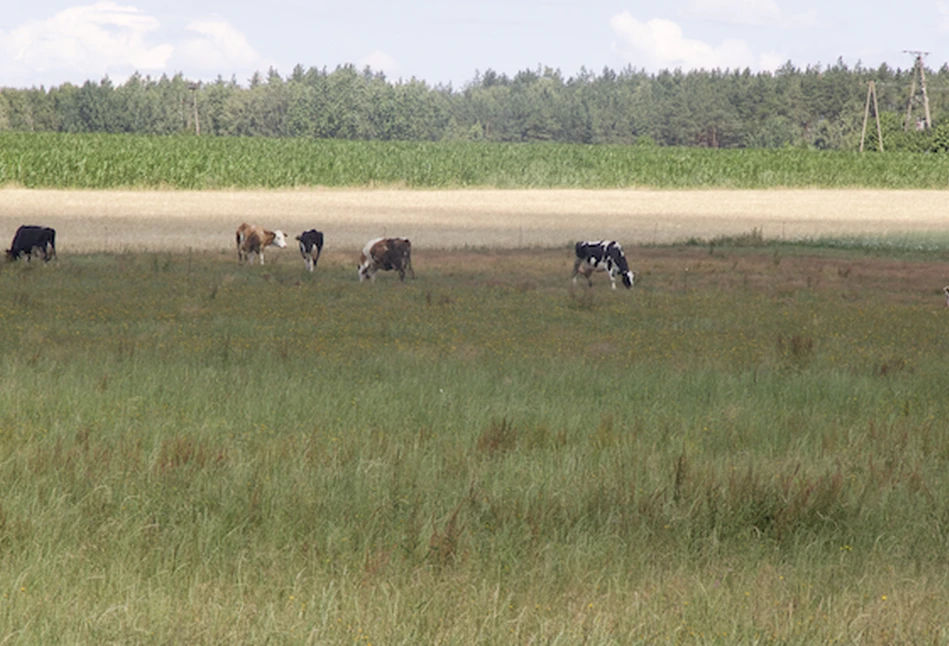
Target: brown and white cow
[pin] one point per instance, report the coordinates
(385, 254)
(253, 239)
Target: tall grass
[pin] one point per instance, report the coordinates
(193, 451)
(51, 160)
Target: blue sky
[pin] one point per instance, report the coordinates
(49, 42)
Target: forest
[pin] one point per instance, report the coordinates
(817, 107)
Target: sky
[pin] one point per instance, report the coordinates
(51, 42)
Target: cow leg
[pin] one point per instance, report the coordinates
(588, 273)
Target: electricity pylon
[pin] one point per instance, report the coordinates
(913, 97)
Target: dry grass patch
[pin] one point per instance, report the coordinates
(205, 220)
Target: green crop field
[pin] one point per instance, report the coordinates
(747, 447)
(47, 160)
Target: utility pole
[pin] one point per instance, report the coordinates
(872, 93)
(194, 102)
(917, 71)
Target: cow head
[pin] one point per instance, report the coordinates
(280, 239)
(619, 261)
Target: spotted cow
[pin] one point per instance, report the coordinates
(311, 246)
(253, 239)
(602, 255)
(386, 254)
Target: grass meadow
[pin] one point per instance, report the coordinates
(747, 447)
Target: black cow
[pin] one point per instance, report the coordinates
(311, 246)
(29, 238)
(602, 255)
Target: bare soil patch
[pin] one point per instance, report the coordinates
(88, 221)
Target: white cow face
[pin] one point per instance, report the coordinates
(280, 239)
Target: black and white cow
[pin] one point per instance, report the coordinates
(29, 238)
(602, 255)
(311, 246)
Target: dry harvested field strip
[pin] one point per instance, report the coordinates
(90, 221)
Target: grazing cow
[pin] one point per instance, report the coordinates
(311, 246)
(386, 254)
(29, 238)
(945, 290)
(602, 255)
(253, 239)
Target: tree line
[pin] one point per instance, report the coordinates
(819, 107)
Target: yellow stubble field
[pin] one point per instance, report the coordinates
(92, 221)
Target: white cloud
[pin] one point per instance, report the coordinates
(92, 40)
(663, 45)
(741, 12)
(219, 47)
(771, 62)
(380, 62)
(106, 38)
